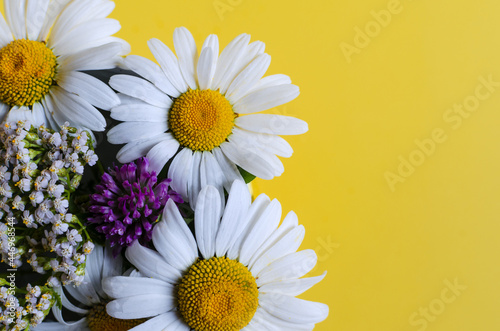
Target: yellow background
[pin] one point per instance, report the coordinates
(392, 251)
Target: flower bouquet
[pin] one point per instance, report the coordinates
(164, 234)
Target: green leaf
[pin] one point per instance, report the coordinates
(248, 177)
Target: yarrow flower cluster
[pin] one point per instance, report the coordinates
(39, 172)
(128, 201)
(20, 309)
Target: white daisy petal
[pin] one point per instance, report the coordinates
(292, 287)
(137, 148)
(152, 72)
(84, 36)
(140, 306)
(48, 108)
(272, 80)
(180, 172)
(229, 61)
(261, 230)
(211, 174)
(112, 266)
(159, 323)
(5, 33)
(20, 114)
(67, 304)
(249, 160)
(131, 131)
(151, 264)
(35, 16)
(140, 112)
(173, 239)
(4, 110)
(272, 124)
(187, 53)
(90, 89)
(53, 12)
(15, 12)
(77, 110)
(206, 68)
(263, 320)
(252, 52)
(93, 269)
(207, 217)
(123, 287)
(194, 182)
(266, 98)
(292, 309)
(263, 142)
(38, 115)
(159, 155)
(97, 58)
(168, 62)
(234, 220)
(228, 168)
(256, 209)
(248, 78)
(291, 266)
(141, 89)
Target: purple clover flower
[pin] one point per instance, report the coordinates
(128, 202)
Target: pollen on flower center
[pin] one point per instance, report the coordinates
(217, 294)
(99, 320)
(201, 119)
(27, 71)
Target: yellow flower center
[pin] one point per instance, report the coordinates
(217, 294)
(201, 120)
(99, 320)
(27, 71)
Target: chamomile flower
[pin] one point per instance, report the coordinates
(246, 278)
(90, 296)
(45, 45)
(204, 104)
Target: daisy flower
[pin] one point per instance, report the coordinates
(246, 278)
(197, 103)
(90, 295)
(44, 47)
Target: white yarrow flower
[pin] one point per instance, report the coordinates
(211, 116)
(246, 278)
(45, 45)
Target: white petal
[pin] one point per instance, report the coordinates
(4, 110)
(272, 124)
(291, 266)
(180, 172)
(135, 149)
(187, 53)
(159, 155)
(15, 12)
(84, 36)
(53, 12)
(253, 215)
(5, 33)
(248, 78)
(261, 230)
(152, 72)
(124, 287)
(76, 110)
(207, 218)
(93, 269)
(173, 239)
(266, 98)
(140, 306)
(234, 219)
(112, 266)
(228, 62)
(250, 161)
(263, 142)
(252, 52)
(206, 68)
(292, 287)
(140, 112)
(288, 244)
(130, 131)
(67, 304)
(228, 168)
(168, 62)
(262, 320)
(38, 115)
(35, 16)
(97, 58)
(194, 182)
(141, 89)
(211, 174)
(292, 309)
(151, 264)
(20, 114)
(158, 323)
(89, 88)
(272, 80)
(49, 110)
